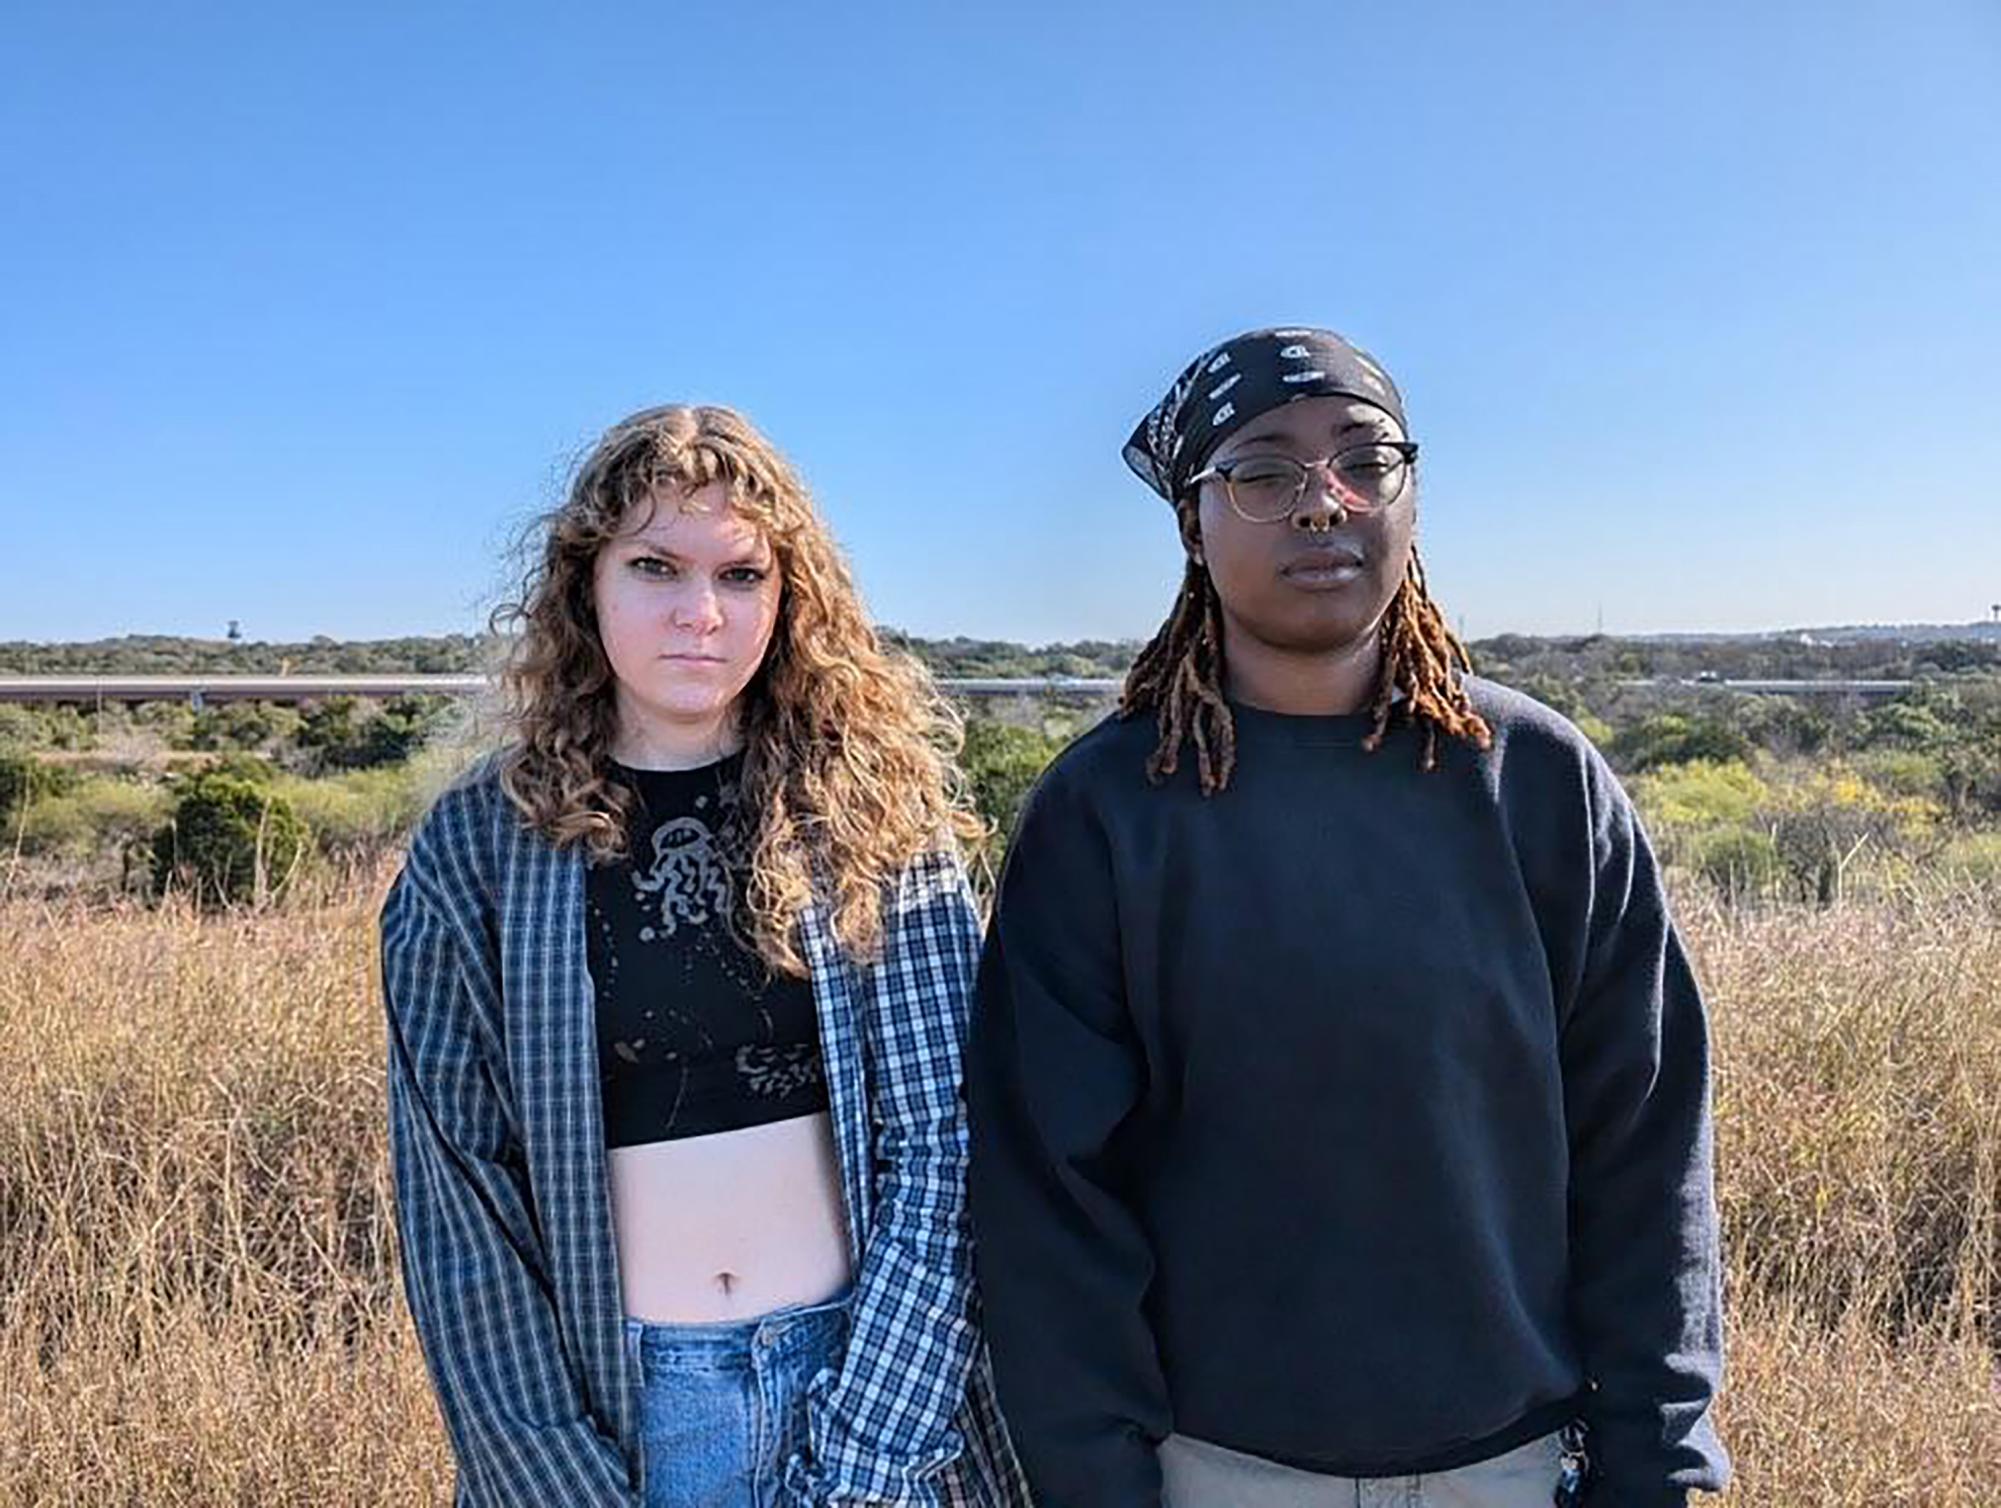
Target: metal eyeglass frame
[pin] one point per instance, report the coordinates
(1342, 495)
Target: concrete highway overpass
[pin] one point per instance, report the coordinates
(201, 690)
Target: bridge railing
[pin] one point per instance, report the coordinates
(202, 689)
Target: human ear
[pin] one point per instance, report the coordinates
(1190, 520)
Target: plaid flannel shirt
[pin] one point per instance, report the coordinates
(503, 1215)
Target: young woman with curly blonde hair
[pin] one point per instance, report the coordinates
(676, 987)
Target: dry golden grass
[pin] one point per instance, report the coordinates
(1858, 1097)
(198, 1295)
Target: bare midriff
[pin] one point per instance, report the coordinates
(732, 1225)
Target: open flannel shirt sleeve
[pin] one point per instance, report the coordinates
(475, 1269)
(881, 1428)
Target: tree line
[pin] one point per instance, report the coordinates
(1508, 657)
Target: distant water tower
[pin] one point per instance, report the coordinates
(235, 635)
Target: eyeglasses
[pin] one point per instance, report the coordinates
(1266, 489)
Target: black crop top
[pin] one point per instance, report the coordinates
(695, 1035)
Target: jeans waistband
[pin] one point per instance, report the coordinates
(723, 1342)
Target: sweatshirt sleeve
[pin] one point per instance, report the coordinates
(473, 1266)
(1055, 1072)
(1645, 1263)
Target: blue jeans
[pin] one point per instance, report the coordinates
(722, 1407)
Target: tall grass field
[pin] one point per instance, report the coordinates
(199, 1301)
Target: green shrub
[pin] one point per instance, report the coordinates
(1901, 771)
(402, 728)
(173, 723)
(359, 812)
(25, 780)
(1784, 725)
(1595, 728)
(328, 731)
(339, 736)
(1002, 762)
(238, 725)
(68, 728)
(1704, 794)
(229, 840)
(1676, 738)
(1907, 723)
(1710, 818)
(1828, 818)
(96, 816)
(1739, 861)
(254, 768)
(1975, 857)
(19, 727)
(1970, 775)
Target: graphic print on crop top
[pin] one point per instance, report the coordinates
(695, 1035)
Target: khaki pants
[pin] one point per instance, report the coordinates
(1196, 1474)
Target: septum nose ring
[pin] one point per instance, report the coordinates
(1337, 505)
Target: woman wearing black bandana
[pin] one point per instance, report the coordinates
(1339, 1088)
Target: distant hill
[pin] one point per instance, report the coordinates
(1853, 633)
(155, 654)
(161, 654)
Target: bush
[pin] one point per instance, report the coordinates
(68, 728)
(1561, 694)
(339, 737)
(1826, 820)
(1675, 738)
(25, 780)
(1595, 728)
(20, 728)
(1710, 818)
(1901, 771)
(1970, 774)
(361, 812)
(229, 840)
(1704, 794)
(251, 767)
(1784, 725)
(328, 731)
(1974, 859)
(1906, 724)
(240, 725)
(173, 723)
(1002, 762)
(95, 816)
(1740, 862)
(401, 729)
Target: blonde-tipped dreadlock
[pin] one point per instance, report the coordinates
(1179, 676)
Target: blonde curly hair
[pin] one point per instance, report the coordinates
(849, 772)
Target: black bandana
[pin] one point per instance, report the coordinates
(1229, 385)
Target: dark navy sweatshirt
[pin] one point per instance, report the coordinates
(1356, 1117)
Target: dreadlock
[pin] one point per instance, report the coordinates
(1179, 676)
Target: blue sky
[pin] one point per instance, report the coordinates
(1697, 305)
